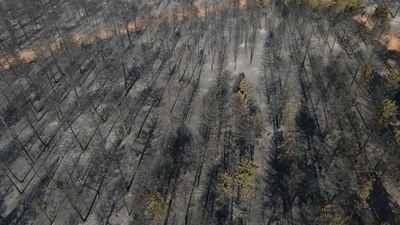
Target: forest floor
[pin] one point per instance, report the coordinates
(151, 122)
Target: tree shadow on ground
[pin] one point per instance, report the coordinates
(381, 205)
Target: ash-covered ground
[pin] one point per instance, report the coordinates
(199, 112)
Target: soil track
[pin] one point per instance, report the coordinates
(30, 54)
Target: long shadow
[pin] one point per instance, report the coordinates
(174, 157)
(176, 161)
(213, 209)
(292, 185)
(380, 204)
(277, 192)
(305, 123)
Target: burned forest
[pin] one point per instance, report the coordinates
(190, 112)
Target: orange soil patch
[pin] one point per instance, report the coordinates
(391, 41)
(104, 34)
(364, 20)
(80, 39)
(201, 11)
(243, 3)
(55, 45)
(4, 64)
(27, 55)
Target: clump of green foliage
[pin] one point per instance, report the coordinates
(245, 97)
(245, 176)
(248, 118)
(367, 76)
(365, 190)
(389, 111)
(225, 184)
(393, 77)
(243, 179)
(156, 207)
(381, 17)
(396, 136)
(327, 208)
(332, 217)
(339, 220)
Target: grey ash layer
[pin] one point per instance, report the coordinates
(140, 125)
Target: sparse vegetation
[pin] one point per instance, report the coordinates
(381, 12)
(248, 117)
(381, 17)
(156, 207)
(244, 97)
(225, 184)
(367, 76)
(245, 175)
(365, 190)
(327, 208)
(389, 111)
(397, 136)
(328, 212)
(394, 78)
(339, 220)
(243, 180)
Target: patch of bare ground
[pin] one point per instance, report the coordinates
(390, 40)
